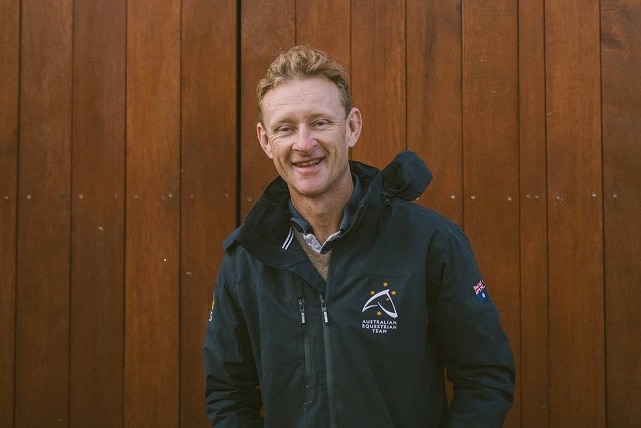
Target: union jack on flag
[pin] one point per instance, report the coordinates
(480, 291)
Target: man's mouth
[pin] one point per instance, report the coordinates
(307, 164)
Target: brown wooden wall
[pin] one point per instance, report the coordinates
(128, 152)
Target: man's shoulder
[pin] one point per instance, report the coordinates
(419, 213)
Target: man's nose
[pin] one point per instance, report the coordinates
(304, 139)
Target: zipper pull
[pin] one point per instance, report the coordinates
(301, 309)
(324, 309)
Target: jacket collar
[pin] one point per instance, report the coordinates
(268, 224)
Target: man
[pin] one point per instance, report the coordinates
(339, 302)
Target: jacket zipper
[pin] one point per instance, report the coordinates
(303, 321)
(329, 367)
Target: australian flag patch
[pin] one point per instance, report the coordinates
(480, 291)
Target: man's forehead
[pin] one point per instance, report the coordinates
(303, 87)
(312, 96)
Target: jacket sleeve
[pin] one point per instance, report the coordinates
(231, 381)
(472, 343)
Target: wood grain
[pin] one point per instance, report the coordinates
(98, 220)
(44, 177)
(575, 214)
(621, 65)
(434, 100)
(9, 106)
(534, 375)
(491, 157)
(378, 78)
(209, 165)
(152, 248)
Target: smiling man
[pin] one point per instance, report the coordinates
(339, 302)
(306, 130)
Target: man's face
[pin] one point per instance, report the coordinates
(305, 132)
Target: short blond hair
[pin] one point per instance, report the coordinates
(300, 63)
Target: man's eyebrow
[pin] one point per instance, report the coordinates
(286, 119)
(275, 124)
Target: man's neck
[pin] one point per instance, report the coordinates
(324, 214)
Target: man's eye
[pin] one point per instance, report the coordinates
(321, 123)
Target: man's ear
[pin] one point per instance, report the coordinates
(354, 125)
(263, 140)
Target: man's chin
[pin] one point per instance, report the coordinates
(307, 191)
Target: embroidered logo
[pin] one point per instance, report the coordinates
(380, 304)
(480, 291)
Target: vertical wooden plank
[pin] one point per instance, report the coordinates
(621, 67)
(209, 171)
(98, 176)
(533, 164)
(491, 156)
(325, 25)
(266, 29)
(378, 78)
(42, 291)
(152, 346)
(575, 250)
(9, 105)
(434, 94)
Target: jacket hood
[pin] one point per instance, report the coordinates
(406, 177)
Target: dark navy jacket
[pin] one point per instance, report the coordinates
(404, 298)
